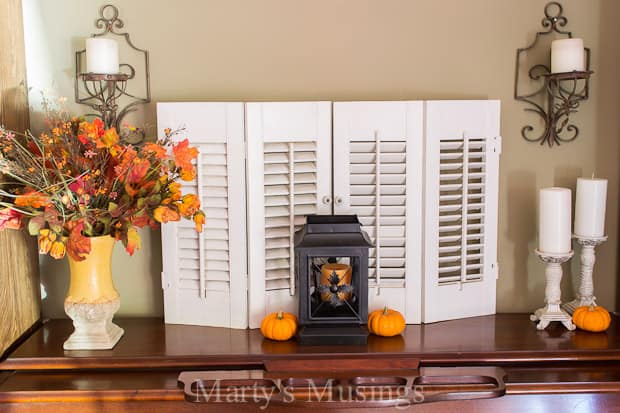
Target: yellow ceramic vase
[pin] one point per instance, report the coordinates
(92, 299)
(91, 279)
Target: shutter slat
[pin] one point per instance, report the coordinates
(308, 188)
(272, 284)
(276, 253)
(274, 222)
(216, 213)
(370, 189)
(281, 232)
(274, 264)
(388, 276)
(217, 255)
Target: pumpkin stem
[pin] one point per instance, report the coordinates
(280, 315)
(592, 307)
(385, 310)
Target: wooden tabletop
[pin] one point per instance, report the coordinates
(148, 342)
(550, 370)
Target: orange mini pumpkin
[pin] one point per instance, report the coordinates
(386, 322)
(592, 318)
(279, 326)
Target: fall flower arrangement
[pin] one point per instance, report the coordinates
(79, 180)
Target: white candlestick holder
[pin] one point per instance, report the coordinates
(553, 293)
(585, 294)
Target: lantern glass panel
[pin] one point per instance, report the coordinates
(334, 288)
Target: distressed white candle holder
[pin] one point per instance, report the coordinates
(553, 294)
(585, 294)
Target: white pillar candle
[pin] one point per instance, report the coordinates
(590, 204)
(554, 221)
(101, 55)
(567, 55)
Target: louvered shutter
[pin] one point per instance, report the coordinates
(378, 157)
(204, 275)
(462, 153)
(289, 176)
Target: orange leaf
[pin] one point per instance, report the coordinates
(188, 174)
(133, 241)
(78, 245)
(184, 154)
(31, 199)
(157, 150)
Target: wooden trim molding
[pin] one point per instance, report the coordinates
(19, 272)
(14, 113)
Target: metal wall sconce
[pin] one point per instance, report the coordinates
(103, 91)
(559, 94)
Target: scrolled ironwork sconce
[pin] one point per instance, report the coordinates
(559, 94)
(103, 91)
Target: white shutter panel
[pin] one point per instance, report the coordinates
(462, 154)
(289, 176)
(204, 275)
(378, 176)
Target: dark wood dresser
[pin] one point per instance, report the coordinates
(553, 370)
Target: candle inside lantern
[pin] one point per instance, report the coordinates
(590, 207)
(567, 55)
(101, 55)
(554, 221)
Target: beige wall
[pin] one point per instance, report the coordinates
(360, 50)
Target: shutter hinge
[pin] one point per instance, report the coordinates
(498, 145)
(495, 267)
(165, 284)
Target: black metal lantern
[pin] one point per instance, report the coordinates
(331, 260)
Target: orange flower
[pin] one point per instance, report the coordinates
(46, 238)
(164, 214)
(58, 250)
(189, 205)
(31, 199)
(108, 139)
(199, 220)
(175, 191)
(92, 131)
(184, 154)
(115, 150)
